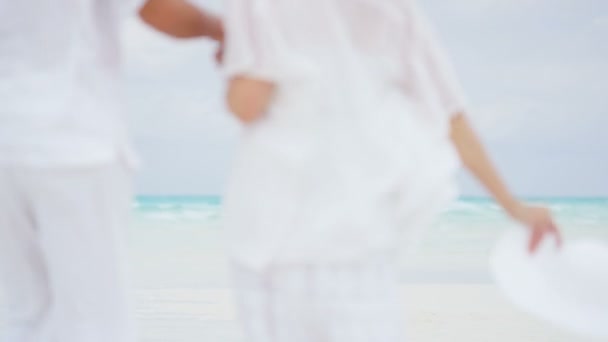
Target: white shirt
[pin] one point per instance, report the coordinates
(60, 89)
(354, 150)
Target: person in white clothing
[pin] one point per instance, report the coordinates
(354, 124)
(66, 162)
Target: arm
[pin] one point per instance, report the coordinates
(180, 19)
(476, 160)
(436, 72)
(248, 98)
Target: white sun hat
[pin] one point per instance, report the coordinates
(565, 286)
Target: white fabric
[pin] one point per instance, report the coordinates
(62, 267)
(567, 287)
(355, 142)
(60, 82)
(355, 302)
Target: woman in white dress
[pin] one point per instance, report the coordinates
(354, 122)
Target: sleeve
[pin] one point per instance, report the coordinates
(434, 68)
(253, 42)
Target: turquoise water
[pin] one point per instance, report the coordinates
(207, 209)
(174, 209)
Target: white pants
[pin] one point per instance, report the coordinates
(356, 302)
(61, 254)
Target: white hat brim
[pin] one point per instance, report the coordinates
(565, 286)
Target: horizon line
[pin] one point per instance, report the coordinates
(466, 197)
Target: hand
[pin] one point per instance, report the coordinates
(219, 53)
(539, 221)
(216, 29)
(219, 37)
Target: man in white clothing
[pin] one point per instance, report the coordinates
(65, 164)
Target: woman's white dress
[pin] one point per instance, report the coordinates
(354, 152)
(353, 155)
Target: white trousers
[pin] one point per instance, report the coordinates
(356, 302)
(61, 254)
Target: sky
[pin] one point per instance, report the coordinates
(535, 73)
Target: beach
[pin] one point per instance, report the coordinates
(432, 313)
(472, 313)
(182, 280)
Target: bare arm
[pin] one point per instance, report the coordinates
(180, 19)
(248, 98)
(476, 160)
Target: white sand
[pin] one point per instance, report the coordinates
(474, 313)
(437, 313)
